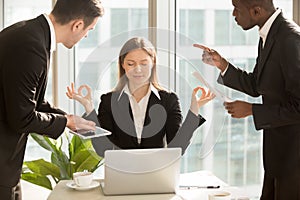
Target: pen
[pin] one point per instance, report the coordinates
(188, 187)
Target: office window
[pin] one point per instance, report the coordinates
(223, 29)
(124, 19)
(17, 10)
(238, 36)
(119, 20)
(228, 33)
(189, 19)
(92, 38)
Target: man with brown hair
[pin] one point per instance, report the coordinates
(25, 50)
(275, 78)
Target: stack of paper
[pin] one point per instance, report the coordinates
(198, 185)
(201, 179)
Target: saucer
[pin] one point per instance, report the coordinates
(72, 185)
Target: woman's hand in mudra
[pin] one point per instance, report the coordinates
(197, 103)
(86, 100)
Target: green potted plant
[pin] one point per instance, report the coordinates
(81, 156)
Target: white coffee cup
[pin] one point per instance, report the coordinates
(83, 179)
(219, 195)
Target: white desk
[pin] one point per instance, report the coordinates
(62, 192)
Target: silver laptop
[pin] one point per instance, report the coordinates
(141, 171)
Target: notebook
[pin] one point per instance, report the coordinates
(141, 171)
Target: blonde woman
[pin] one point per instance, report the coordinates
(139, 112)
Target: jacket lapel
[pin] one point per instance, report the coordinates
(125, 103)
(271, 38)
(150, 103)
(264, 54)
(149, 130)
(122, 114)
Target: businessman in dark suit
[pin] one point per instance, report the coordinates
(25, 51)
(276, 78)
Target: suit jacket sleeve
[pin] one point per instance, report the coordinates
(240, 80)
(48, 108)
(179, 135)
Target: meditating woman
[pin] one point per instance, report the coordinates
(139, 112)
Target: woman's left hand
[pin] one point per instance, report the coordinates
(197, 103)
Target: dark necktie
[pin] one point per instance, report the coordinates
(260, 46)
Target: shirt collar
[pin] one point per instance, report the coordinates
(127, 91)
(52, 34)
(263, 32)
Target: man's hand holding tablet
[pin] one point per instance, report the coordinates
(87, 134)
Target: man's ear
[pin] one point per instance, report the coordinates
(77, 25)
(256, 11)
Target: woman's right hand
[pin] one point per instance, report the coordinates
(86, 100)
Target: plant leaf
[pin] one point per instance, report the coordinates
(43, 167)
(37, 179)
(62, 161)
(44, 142)
(75, 145)
(86, 160)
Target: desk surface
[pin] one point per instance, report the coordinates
(62, 192)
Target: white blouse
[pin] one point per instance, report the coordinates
(139, 108)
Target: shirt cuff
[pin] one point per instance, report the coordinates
(224, 72)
